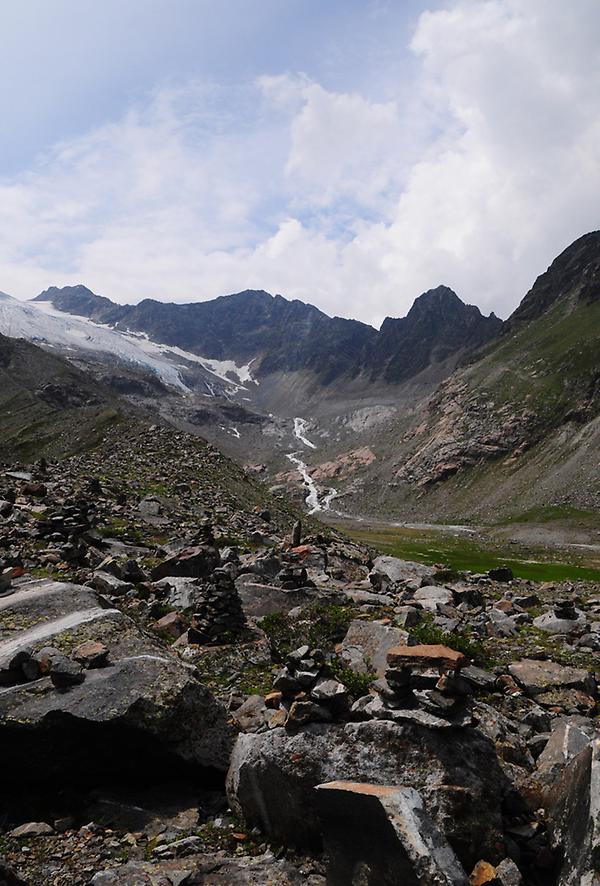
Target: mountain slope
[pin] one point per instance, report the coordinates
(48, 407)
(520, 425)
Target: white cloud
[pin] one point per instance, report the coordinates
(478, 179)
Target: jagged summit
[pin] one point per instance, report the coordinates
(438, 324)
(281, 335)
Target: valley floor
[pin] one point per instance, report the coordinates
(565, 547)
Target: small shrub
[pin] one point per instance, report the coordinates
(427, 633)
(357, 684)
(319, 626)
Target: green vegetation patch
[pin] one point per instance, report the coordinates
(319, 627)
(462, 553)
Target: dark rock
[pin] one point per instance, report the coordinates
(381, 836)
(8, 877)
(501, 573)
(64, 672)
(196, 562)
(272, 777)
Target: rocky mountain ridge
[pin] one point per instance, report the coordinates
(287, 336)
(426, 417)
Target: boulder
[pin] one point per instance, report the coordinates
(259, 599)
(390, 570)
(537, 677)
(180, 593)
(272, 777)
(501, 573)
(431, 597)
(33, 829)
(555, 624)
(378, 835)
(194, 562)
(367, 643)
(146, 703)
(573, 808)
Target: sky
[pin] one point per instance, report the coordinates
(349, 153)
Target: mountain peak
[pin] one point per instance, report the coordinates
(576, 271)
(81, 301)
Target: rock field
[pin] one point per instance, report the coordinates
(196, 688)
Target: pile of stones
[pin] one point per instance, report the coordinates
(423, 677)
(307, 691)
(218, 615)
(26, 666)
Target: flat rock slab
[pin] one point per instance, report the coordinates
(537, 677)
(429, 656)
(272, 777)
(378, 835)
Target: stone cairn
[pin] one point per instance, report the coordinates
(219, 615)
(306, 690)
(420, 681)
(426, 677)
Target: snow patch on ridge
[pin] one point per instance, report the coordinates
(41, 324)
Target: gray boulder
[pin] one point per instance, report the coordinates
(145, 708)
(573, 808)
(272, 776)
(539, 677)
(389, 570)
(366, 645)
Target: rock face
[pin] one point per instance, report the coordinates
(574, 807)
(381, 836)
(439, 324)
(144, 702)
(272, 777)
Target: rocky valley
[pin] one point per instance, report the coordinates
(216, 664)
